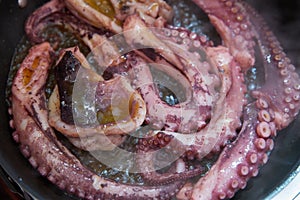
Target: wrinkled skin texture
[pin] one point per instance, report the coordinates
(223, 121)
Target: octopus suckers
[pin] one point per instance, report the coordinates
(278, 57)
(11, 124)
(228, 3)
(71, 188)
(43, 170)
(237, 31)
(243, 184)
(167, 32)
(288, 90)
(262, 104)
(288, 99)
(33, 162)
(263, 130)
(264, 115)
(234, 10)
(297, 87)
(25, 150)
(260, 143)
(183, 34)
(222, 195)
(16, 136)
(270, 143)
(239, 17)
(296, 97)
(62, 184)
(281, 65)
(287, 82)
(174, 33)
(186, 41)
(197, 44)
(255, 172)
(193, 36)
(292, 106)
(286, 110)
(284, 72)
(230, 194)
(52, 178)
(265, 158)
(244, 170)
(244, 27)
(253, 158)
(234, 183)
(276, 51)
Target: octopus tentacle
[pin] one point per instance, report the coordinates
(40, 145)
(53, 13)
(38, 16)
(105, 53)
(148, 150)
(160, 114)
(285, 97)
(224, 122)
(232, 22)
(137, 32)
(180, 173)
(181, 116)
(217, 133)
(241, 161)
(271, 112)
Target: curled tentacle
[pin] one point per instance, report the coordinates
(36, 18)
(224, 122)
(53, 13)
(232, 22)
(179, 117)
(39, 143)
(160, 114)
(240, 161)
(279, 72)
(147, 158)
(155, 178)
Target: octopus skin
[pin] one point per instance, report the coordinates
(273, 110)
(240, 160)
(40, 145)
(233, 24)
(240, 130)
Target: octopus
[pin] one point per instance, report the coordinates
(97, 105)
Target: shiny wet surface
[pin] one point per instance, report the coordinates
(284, 159)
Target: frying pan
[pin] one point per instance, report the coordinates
(283, 162)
